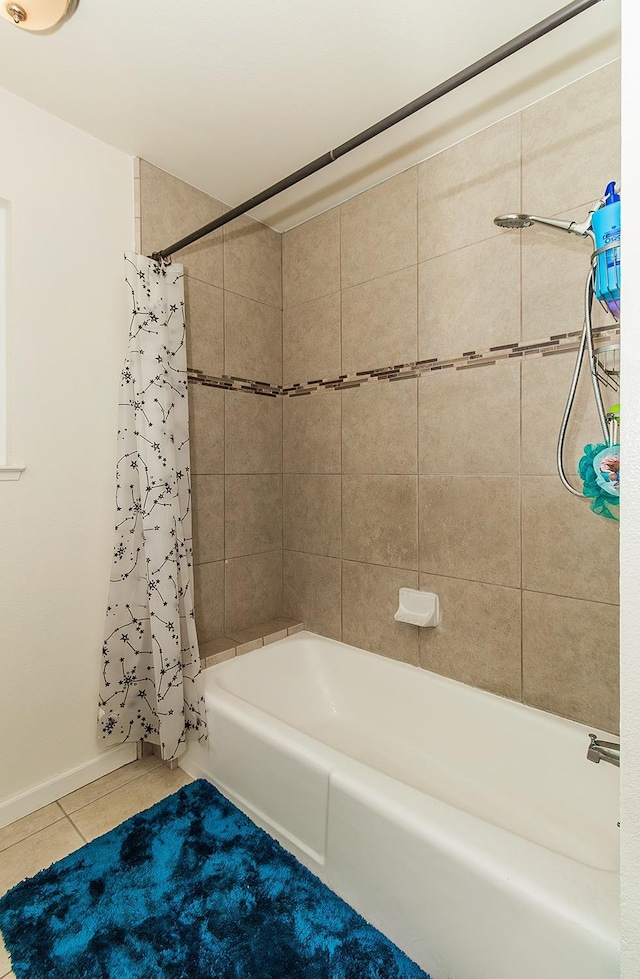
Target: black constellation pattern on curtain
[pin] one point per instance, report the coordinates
(150, 684)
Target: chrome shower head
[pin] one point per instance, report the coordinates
(512, 221)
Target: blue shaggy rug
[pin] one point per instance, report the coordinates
(189, 889)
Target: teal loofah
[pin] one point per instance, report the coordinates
(599, 471)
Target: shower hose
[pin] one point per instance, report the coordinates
(586, 344)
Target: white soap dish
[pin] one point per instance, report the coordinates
(418, 607)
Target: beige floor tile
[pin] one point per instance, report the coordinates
(22, 828)
(142, 793)
(5, 961)
(32, 855)
(108, 783)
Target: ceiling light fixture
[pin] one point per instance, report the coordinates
(37, 15)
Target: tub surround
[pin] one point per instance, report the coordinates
(234, 329)
(446, 348)
(246, 640)
(323, 485)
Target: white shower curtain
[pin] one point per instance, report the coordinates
(150, 686)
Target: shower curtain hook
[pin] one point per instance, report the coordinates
(160, 259)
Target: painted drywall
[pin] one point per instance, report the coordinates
(71, 218)
(630, 538)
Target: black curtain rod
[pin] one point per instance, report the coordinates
(504, 51)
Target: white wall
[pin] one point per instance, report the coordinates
(71, 220)
(630, 501)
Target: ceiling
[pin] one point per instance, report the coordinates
(232, 95)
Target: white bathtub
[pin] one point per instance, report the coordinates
(469, 829)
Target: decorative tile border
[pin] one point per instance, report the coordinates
(485, 357)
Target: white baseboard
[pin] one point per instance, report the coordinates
(60, 785)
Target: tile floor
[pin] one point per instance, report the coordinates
(33, 843)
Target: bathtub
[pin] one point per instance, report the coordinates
(469, 829)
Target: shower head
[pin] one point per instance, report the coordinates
(512, 221)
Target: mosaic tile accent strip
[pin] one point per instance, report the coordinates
(486, 357)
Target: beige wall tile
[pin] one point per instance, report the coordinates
(545, 388)
(170, 210)
(470, 528)
(253, 339)
(216, 651)
(29, 825)
(555, 266)
(470, 298)
(379, 427)
(32, 855)
(262, 630)
(570, 659)
(253, 590)
(87, 794)
(461, 190)
(253, 261)
(571, 144)
(311, 259)
(478, 639)
(312, 588)
(209, 600)
(218, 658)
(206, 429)
(311, 340)
(113, 809)
(470, 420)
(311, 432)
(380, 322)
(380, 520)
(312, 513)
(248, 647)
(253, 433)
(207, 498)
(379, 229)
(566, 549)
(369, 601)
(205, 326)
(253, 514)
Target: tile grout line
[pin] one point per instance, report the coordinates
(30, 836)
(77, 828)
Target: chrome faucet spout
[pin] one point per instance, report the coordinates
(603, 751)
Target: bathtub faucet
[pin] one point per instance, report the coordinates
(603, 751)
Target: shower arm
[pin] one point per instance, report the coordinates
(538, 30)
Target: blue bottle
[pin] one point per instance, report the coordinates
(605, 223)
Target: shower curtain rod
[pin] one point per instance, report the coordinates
(545, 26)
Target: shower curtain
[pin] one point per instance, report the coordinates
(150, 685)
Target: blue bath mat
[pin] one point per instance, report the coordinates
(189, 889)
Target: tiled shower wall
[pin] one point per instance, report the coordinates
(447, 481)
(233, 291)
